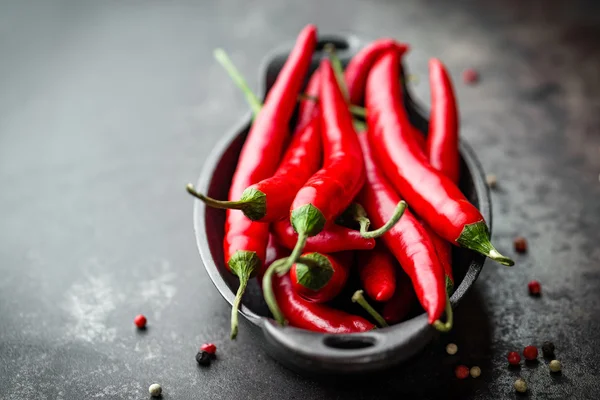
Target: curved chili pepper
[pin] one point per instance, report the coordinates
(431, 194)
(398, 307)
(442, 140)
(442, 145)
(269, 198)
(331, 239)
(327, 283)
(377, 271)
(407, 240)
(245, 241)
(358, 68)
(443, 249)
(314, 316)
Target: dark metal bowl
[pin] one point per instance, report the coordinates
(299, 349)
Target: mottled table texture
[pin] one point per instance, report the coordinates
(107, 109)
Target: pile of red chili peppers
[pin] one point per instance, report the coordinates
(298, 214)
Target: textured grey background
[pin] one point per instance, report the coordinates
(107, 108)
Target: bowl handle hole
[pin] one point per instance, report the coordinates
(348, 342)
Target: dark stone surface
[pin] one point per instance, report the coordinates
(108, 108)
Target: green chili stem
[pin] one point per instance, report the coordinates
(268, 293)
(365, 222)
(226, 205)
(302, 238)
(223, 59)
(359, 298)
(236, 305)
(445, 326)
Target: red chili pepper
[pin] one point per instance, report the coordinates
(398, 307)
(275, 251)
(442, 140)
(443, 249)
(377, 271)
(331, 239)
(308, 109)
(358, 68)
(314, 316)
(270, 196)
(431, 194)
(246, 241)
(324, 283)
(407, 240)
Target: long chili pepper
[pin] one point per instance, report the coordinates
(340, 178)
(322, 284)
(432, 195)
(443, 249)
(245, 241)
(377, 271)
(398, 307)
(269, 199)
(358, 68)
(442, 145)
(313, 316)
(407, 240)
(275, 251)
(331, 239)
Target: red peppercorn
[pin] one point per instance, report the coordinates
(530, 353)
(520, 244)
(514, 358)
(535, 289)
(470, 76)
(210, 348)
(461, 371)
(140, 321)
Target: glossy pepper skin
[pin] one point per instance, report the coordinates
(442, 144)
(339, 263)
(432, 195)
(245, 241)
(358, 68)
(331, 239)
(331, 189)
(407, 240)
(377, 271)
(314, 317)
(397, 308)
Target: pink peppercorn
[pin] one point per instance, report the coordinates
(530, 353)
(514, 358)
(140, 321)
(210, 348)
(470, 76)
(461, 371)
(535, 289)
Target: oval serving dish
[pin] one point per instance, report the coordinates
(298, 349)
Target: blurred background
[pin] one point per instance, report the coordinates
(108, 108)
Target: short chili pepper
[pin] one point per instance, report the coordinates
(245, 240)
(358, 68)
(269, 198)
(407, 240)
(398, 307)
(322, 284)
(431, 194)
(331, 239)
(314, 316)
(377, 271)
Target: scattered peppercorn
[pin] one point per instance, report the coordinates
(461, 371)
(548, 349)
(514, 358)
(155, 390)
(451, 348)
(140, 321)
(530, 353)
(475, 371)
(555, 366)
(203, 358)
(470, 76)
(491, 181)
(520, 244)
(210, 348)
(535, 289)
(520, 385)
